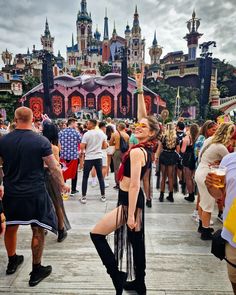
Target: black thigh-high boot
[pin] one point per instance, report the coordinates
(108, 259)
(139, 258)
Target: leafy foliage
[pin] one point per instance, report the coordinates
(29, 83)
(104, 69)
(9, 102)
(189, 96)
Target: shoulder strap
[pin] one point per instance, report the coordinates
(203, 151)
(232, 264)
(144, 155)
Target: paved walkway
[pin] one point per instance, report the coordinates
(178, 262)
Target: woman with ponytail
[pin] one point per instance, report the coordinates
(127, 220)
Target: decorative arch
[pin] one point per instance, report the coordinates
(75, 102)
(36, 105)
(91, 101)
(58, 104)
(124, 111)
(106, 103)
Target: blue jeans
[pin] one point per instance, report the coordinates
(88, 165)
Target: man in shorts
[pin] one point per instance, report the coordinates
(26, 201)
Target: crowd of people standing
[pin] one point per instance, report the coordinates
(38, 158)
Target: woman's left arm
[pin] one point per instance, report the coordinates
(136, 158)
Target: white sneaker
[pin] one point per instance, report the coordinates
(107, 177)
(195, 214)
(106, 184)
(94, 183)
(83, 200)
(103, 198)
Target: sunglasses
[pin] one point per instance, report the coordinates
(141, 125)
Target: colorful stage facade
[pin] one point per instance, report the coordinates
(71, 95)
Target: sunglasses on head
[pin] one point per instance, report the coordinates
(141, 125)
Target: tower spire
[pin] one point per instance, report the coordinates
(154, 43)
(73, 41)
(47, 40)
(84, 7)
(114, 29)
(193, 36)
(136, 28)
(106, 33)
(46, 31)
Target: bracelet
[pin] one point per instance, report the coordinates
(138, 91)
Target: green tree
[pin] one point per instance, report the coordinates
(29, 83)
(104, 68)
(9, 102)
(76, 72)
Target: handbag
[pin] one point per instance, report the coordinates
(124, 146)
(218, 247)
(110, 150)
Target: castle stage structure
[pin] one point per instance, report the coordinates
(71, 95)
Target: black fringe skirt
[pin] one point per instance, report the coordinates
(55, 195)
(122, 243)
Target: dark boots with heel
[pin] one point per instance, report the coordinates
(108, 259)
(138, 285)
(170, 198)
(161, 198)
(190, 198)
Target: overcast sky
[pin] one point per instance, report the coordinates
(22, 22)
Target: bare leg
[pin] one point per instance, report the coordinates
(37, 244)
(189, 180)
(60, 217)
(200, 212)
(109, 223)
(11, 239)
(206, 217)
(163, 177)
(108, 163)
(170, 173)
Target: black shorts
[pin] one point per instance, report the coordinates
(123, 199)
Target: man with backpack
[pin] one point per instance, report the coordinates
(119, 139)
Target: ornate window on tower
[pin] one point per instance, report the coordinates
(82, 29)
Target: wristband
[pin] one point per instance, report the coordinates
(139, 91)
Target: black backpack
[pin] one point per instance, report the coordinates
(124, 146)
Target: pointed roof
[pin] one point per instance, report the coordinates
(73, 44)
(83, 13)
(46, 31)
(114, 29)
(127, 29)
(136, 28)
(154, 42)
(106, 32)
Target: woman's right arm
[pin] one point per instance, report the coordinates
(142, 112)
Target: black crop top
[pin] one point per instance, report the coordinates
(148, 159)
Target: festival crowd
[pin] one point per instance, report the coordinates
(39, 156)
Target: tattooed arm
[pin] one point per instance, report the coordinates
(55, 170)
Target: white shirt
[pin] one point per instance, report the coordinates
(229, 162)
(93, 140)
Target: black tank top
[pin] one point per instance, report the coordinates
(148, 160)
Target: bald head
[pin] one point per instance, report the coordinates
(24, 115)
